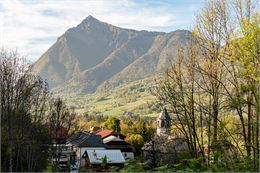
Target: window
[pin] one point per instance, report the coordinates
(162, 124)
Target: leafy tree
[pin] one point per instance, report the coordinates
(245, 57)
(142, 129)
(136, 140)
(113, 123)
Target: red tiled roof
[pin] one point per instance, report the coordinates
(106, 133)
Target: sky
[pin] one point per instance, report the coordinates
(32, 26)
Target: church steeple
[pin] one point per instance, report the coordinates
(164, 123)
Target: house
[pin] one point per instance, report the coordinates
(114, 142)
(107, 133)
(95, 158)
(105, 142)
(83, 141)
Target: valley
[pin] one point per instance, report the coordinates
(130, 98)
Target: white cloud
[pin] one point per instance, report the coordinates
(33, 26)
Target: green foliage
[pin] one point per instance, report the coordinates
(245, 49)
(197, 164)
(49, 168)
(186, 165)
(116, 101)
(246, 165)
(164, 168)
(84, 169)
(193, 165)
(133, 166)
(190, 165)
(141, 128)
(219, 164)
(136, 140)
(104, 162)
(113, 123)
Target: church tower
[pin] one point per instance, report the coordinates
(164, 123)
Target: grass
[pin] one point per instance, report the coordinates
(133, 97)
(49, 168)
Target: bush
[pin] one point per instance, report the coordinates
(165, 168)
(246, 165)
(133, 166)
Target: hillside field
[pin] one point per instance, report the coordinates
(131, 98)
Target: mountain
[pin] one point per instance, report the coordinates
(95, 55)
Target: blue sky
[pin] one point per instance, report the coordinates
(32, 26)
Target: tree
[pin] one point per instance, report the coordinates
(113, 123)
(141, 128)
(245, 56)
(215, 76)
(23, 98)
(211, 33)
(136, 140)
(178, 91)
(61, 120)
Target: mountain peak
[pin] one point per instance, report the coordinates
(95, 54)
(91, 22)
(90, 19)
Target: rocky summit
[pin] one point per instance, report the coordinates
(95, 55)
